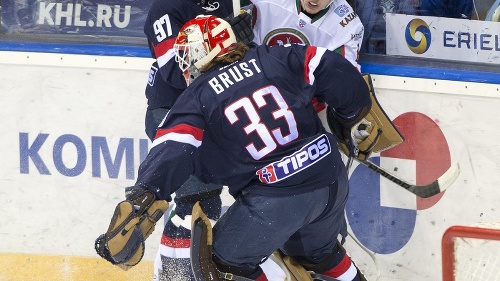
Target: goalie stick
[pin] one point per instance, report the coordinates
(422, 191)
(236, 7)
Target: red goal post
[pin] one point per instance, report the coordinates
(471, 252)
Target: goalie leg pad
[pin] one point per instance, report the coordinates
(202, 263)
(293, 270)
(204, 269)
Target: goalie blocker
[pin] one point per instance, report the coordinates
(372, 131)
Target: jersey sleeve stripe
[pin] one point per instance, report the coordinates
(313, 57)
(181, 133)
(342, 50)
(162, 60)
(164, 48)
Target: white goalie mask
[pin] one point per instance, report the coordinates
(200, 40)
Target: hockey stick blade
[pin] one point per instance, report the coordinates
(422, 191)
(236, 7)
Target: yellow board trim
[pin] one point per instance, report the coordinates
(24, 267)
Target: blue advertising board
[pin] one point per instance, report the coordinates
(75, 17)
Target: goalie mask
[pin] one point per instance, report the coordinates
(200, 40)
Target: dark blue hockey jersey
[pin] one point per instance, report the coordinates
(164, 20)
(255, 121)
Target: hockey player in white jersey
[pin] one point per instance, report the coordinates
(329, 24)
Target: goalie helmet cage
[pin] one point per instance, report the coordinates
(471, 253)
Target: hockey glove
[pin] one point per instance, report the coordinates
(133, 221)
(242, 27)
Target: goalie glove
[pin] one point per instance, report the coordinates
(133, 221)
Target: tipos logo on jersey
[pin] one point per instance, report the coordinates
(307, 156)
(420, 27)
(284, 36)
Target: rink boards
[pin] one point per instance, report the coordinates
(73, 137)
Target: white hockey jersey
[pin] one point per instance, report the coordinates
(279, 22)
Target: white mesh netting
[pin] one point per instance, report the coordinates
(477, 253)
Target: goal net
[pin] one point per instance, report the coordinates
(471, 253)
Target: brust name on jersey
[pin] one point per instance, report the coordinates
(234, 73)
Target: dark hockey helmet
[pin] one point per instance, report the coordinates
(202, 39)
